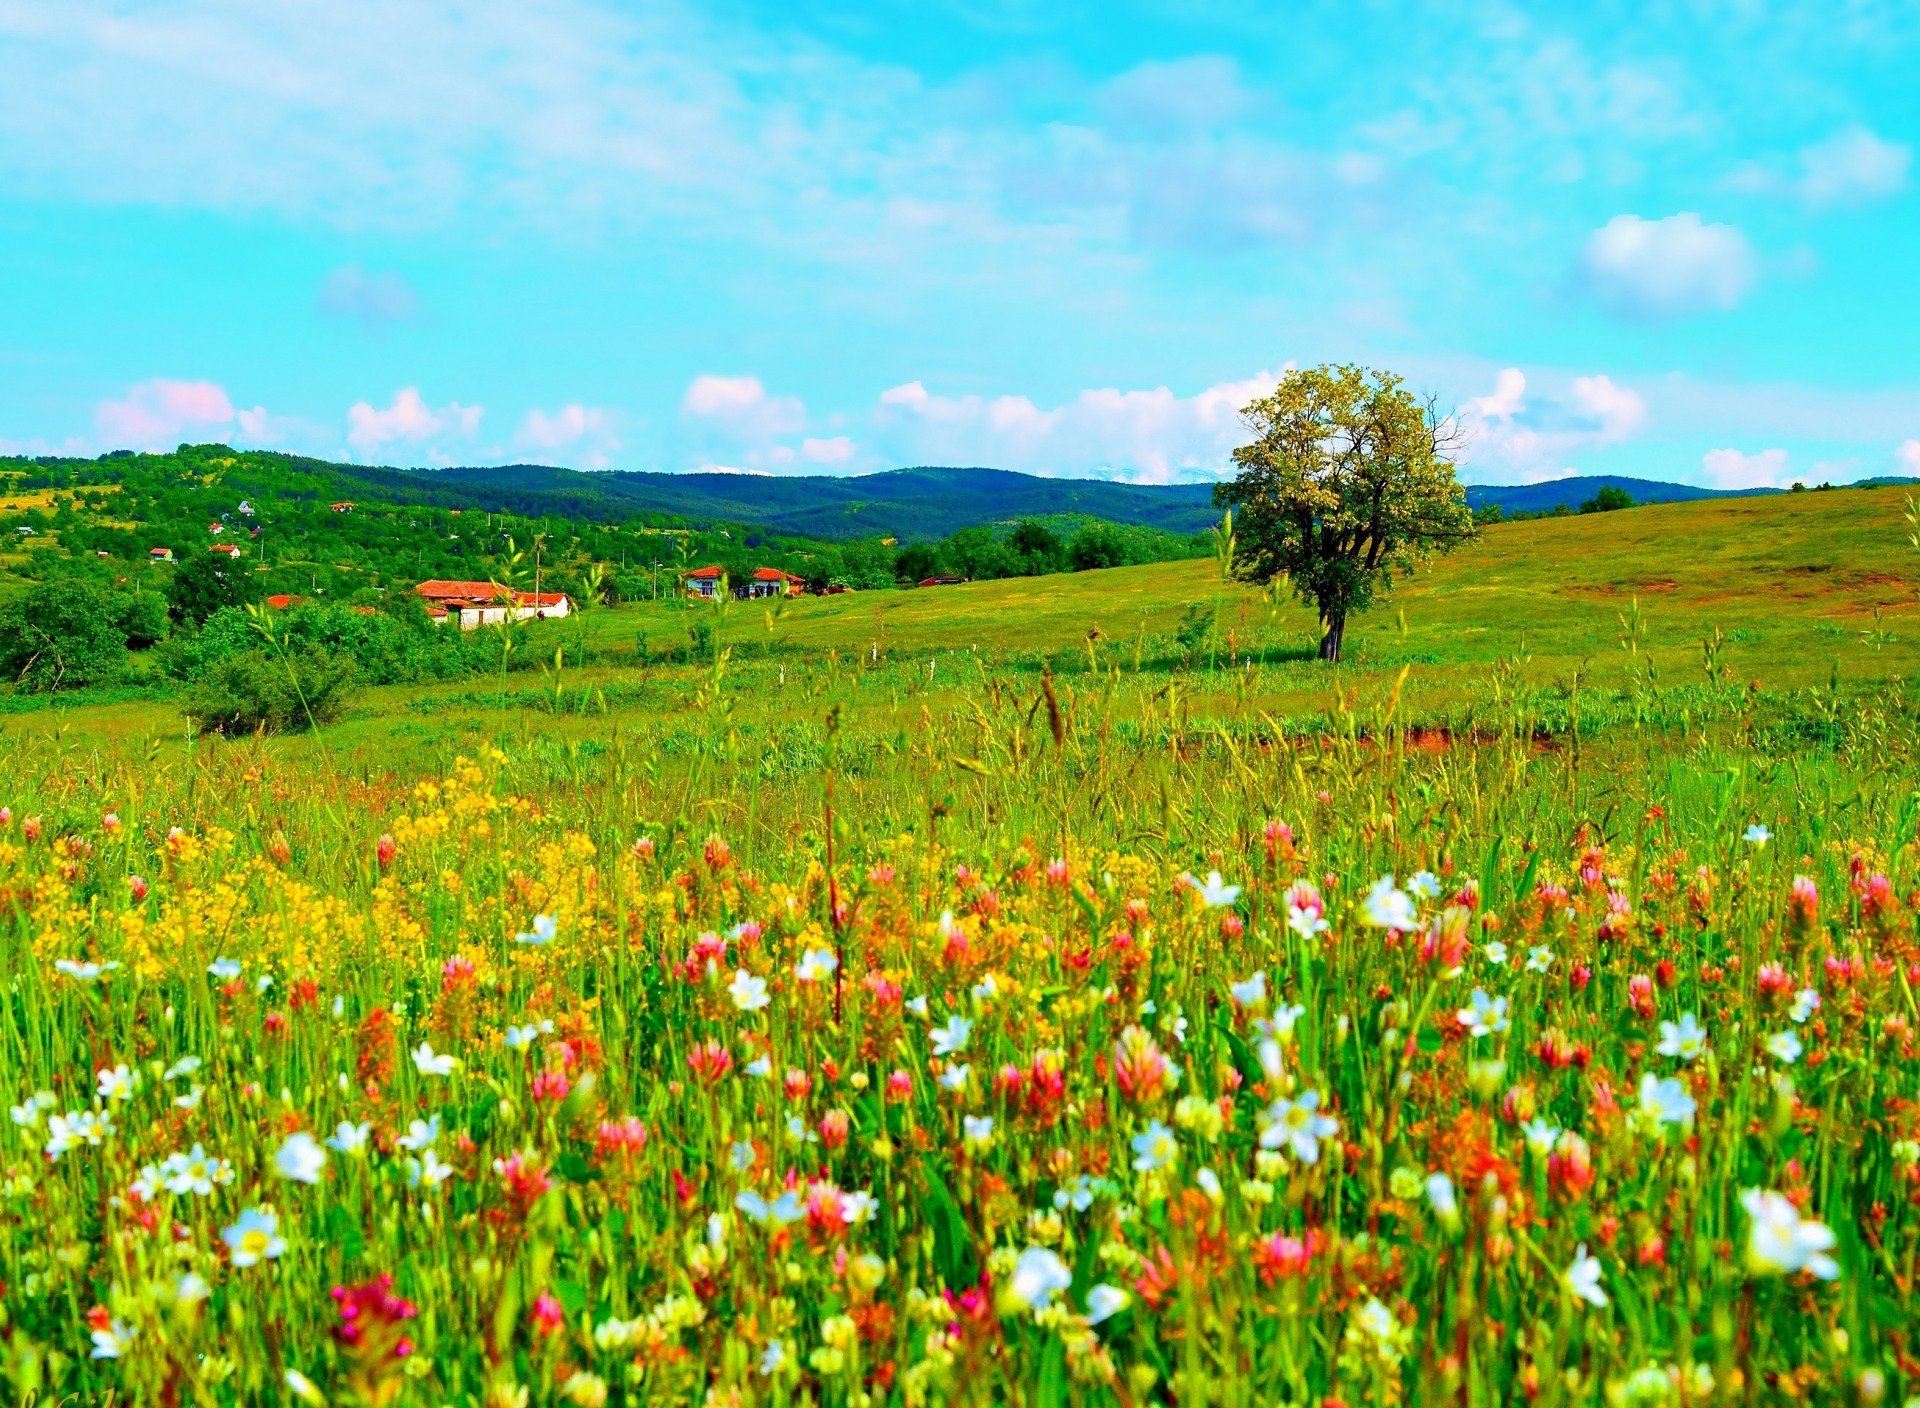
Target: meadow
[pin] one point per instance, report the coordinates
(1043, 991)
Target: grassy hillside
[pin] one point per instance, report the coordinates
(1600, 617)
(1792, 582)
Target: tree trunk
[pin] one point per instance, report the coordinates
(1335, 626)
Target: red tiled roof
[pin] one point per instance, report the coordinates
(439, 590)
(282, 601)
(541, 598)
(708, 574)
(230, 549)
(774, 574)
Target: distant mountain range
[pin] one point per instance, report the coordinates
(929, 501)
(1551, 494)
(908, 504)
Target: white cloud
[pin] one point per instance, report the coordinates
(835, 450)
(1908, 457)
(156, 414)
(1732, 469)
(1181, 95)
(409, 420)
(1510, 433)
(1659, 269)
(387, 111)
(374, 299)
(1151, 436)
(1854, 166)
(740, 406)
(580, 435)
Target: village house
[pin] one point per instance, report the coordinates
(703, 583)
(475, 604)
(770, 581)
(228, 550)
(344, 506)
(160, 554)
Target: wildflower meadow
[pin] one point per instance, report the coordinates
(1017, 1054)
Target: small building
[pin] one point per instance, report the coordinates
(942, 581)
(216, 528)
(284, 601)
(24, 531)
(246, 509)
(228, 550)
(160, 554)
(770, 581)
(489, 603)
(704, 582)
(344, 506)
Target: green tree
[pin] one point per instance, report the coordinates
(205, 582)
(1609, 498)
(143, 618)
(1347, 482)
(1097, 545)
(1039, 545)
(61, 634)
(916, 562)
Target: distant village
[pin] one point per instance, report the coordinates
(471, 604)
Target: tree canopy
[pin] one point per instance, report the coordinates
(60, 635)
(1347, 482)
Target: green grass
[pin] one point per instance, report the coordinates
(1791, 592)
(965, 796)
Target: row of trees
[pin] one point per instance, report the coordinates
(1034, 549)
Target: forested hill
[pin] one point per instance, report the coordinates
(909, 504)
(919, 504)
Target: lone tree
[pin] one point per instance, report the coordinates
(1347, 482)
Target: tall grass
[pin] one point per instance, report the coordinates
(856, 1030)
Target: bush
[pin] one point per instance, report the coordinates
(143, 619)
(258, 692)
(208, 582)
(386, 646)
(61, 635)
(1610, 498)
(1197, 625)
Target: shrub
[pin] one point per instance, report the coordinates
(143, 619)
(386, 646)
(1196, 628)
(256, 691)
(1610, 498)
(205, 583)
(60, 635)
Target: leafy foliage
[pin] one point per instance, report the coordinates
(263, 691)
(61, 634)
(209, 582)
(1607, 499)
(1346, 483)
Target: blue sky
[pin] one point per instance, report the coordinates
(1671, 240)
